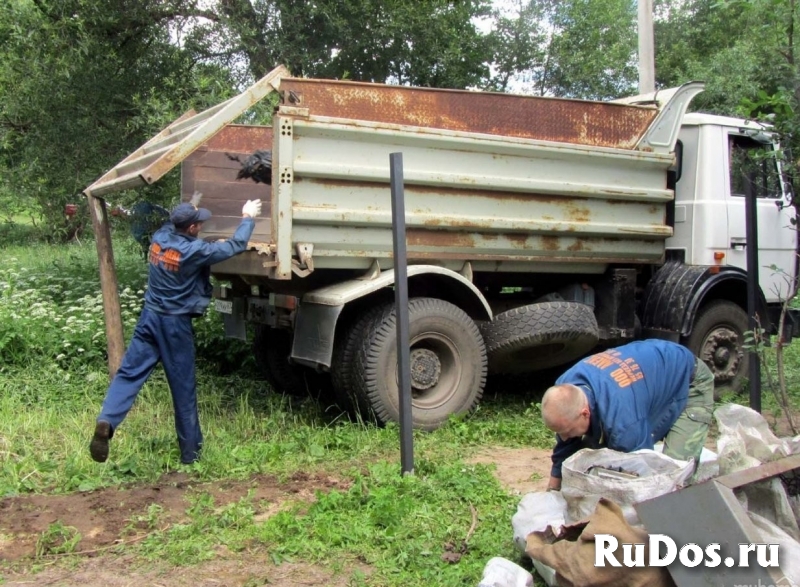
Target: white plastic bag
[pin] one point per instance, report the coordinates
(788, 547)
(746, 440)
(501, 572)
(658, 474)
(708, 468)
(537, 511)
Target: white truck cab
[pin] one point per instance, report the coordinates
(720, 156)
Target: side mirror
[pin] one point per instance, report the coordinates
(791, 198)
(676, 170)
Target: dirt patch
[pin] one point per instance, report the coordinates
(107, 517)
(520, 470)
(246, 571)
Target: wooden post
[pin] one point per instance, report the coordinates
(108, 283)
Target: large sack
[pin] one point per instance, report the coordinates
(657, 474)
(746, 441)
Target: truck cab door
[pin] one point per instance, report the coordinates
(753, 163)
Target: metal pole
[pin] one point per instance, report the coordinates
(647, 66)
(751, 220)
(108, 283)
(401, 311)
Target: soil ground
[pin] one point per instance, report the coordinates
(103, 519)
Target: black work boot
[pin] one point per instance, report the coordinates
(99, 445)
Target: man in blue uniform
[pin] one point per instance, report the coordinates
(629, 398)
(178, 290)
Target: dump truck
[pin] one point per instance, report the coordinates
(537, 229)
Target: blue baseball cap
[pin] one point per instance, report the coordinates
(185, 214)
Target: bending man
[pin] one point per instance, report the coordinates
(629, 398)
(178, 289)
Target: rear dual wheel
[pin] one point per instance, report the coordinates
(448, 363)
(272, 348)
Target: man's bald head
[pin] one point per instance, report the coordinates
(564, 408)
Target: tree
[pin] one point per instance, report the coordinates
(81, 82)
(425, 42)
(567, 48)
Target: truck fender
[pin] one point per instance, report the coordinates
(677, 291)
(319, 310)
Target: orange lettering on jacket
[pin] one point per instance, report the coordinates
(627, 371)
(169, 259)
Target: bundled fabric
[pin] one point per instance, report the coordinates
(572, 554)
(257, 167)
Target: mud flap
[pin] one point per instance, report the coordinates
(314, 329)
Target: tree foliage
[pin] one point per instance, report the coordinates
(80, 83)
(83, 82)
(567, 48)
(745, 51)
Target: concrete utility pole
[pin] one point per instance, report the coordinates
(647, 62)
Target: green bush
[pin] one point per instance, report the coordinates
(51, 308)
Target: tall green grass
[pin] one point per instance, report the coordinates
(53, 379)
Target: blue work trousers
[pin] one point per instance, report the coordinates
(169, 339)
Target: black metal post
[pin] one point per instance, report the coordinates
(401, 311)
(751, 220)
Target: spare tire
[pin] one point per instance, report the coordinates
(539, 336)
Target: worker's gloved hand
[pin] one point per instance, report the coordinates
(251, 208)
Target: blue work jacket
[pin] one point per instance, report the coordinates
(636, 393)
(180, 268)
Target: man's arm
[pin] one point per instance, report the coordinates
(562, 451)
(219, 251)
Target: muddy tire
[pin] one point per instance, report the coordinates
(717, 337)
(539, 336)
(271, 350)
(345, 349)
(448, 364)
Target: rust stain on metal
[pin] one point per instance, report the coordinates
(578, 245)
(341, 183)
(582, 258)
(577, 214)
(518, 241)
(552, 119)
(479, 193)
(551, 243)
(237, 138)
(417, 237)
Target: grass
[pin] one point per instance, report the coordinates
(53, 380)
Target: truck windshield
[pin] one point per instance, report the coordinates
(754, 166)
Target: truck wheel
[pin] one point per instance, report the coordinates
(539, 336)
(448, 363)
(271, 350)
(718, 338)
(347, 394)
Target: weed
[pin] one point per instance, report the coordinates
(148, 521)
(57, 539)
